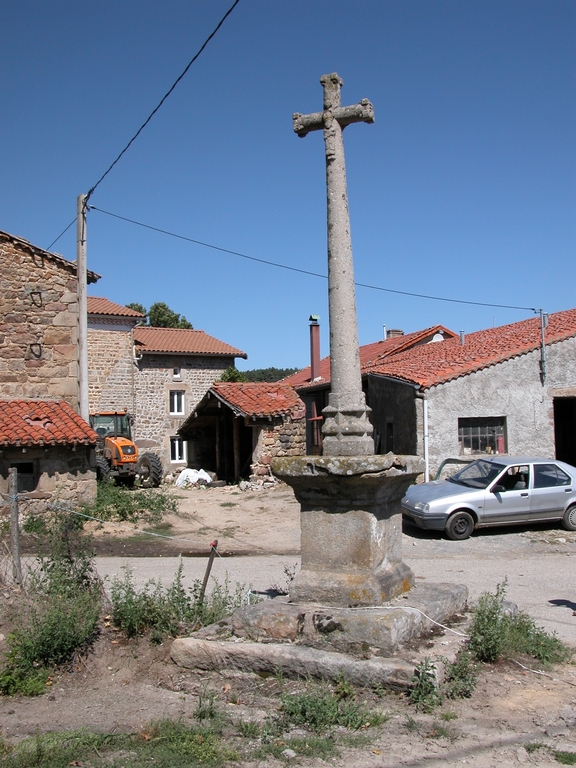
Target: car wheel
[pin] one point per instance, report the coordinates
(459, 526)
(569, 519)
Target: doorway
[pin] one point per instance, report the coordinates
(565, 429)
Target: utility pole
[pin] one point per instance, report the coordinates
(81, 274)
(14, 532)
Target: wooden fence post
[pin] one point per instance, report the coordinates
(14, 531)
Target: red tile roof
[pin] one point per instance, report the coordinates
(42, 422)
(99, 306)
(370, 355)
(432, 364)
(91, 277)
(259, 399)
(181, 341)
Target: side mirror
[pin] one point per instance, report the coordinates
(498, 489)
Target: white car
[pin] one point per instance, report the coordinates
(499, 490)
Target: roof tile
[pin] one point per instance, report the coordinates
(42, 422)
(259, 399)
(100, 306)
(181, 341)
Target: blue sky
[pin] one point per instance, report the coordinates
(464, 187)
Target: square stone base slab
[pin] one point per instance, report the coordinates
(374, 629)
(323, 642)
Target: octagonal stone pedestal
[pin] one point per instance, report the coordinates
(351, 526)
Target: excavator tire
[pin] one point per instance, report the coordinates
(102, 469)
(150, 470)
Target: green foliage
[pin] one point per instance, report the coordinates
(565, 758)
(233, 374)
(461, 676)
(425, 693)
(137, 307)
(269, 374)
(116, 502)
(165, 611)
(207, 708)
(318, 709)
(494, 633)
(161, 316)
(524, 636)
(164, 744)
(61, 617)
(489, 625)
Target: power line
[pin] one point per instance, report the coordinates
(163, 99)
(61, 233)
(307, 272)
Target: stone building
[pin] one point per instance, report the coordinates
(157, 374)
(500, 390)
(38, 322)
(238, 428)
(39, 372)
(51, 447)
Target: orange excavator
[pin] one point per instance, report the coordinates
(117, 456)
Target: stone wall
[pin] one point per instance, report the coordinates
(111, 369)
(154, 379)
(69, 475)
(512, 389)
(38, 324)
(280, 438)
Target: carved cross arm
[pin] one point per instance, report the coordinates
(315, 121)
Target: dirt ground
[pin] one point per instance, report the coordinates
(124, 685)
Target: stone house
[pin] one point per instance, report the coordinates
(238, 428)
(157, 374)
(500, 390)
(313, 385)
(51, 447)
(39, 372)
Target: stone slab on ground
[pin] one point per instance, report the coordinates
(351, 630)
(291, 661)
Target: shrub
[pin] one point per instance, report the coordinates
(494, 632)
(116, 502)
(425, 693)
(318, 709)
(461, 676)
(166, 610)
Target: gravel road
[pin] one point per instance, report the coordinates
(539, 563)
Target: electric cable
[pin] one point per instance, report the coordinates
(163, 99)
(61, 233)
(308, 272)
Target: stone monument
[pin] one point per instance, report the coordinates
(351, 522)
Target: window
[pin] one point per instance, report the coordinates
(176, 373)
(177, 449)
(549, 476)
(176, 402)
(25, 476)
(482, 435)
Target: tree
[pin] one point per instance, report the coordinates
(233, 374)
(269, 374)
(161, 316)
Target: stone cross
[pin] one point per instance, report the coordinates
(347, 430)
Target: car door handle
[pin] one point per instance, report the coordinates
(567, 490)
(523, 494)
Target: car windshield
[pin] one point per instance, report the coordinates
(477, 475)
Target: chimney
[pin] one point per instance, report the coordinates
(314, 347)
(462, 338)
(393, 333)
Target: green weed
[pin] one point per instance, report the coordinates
(495, 633)
(425, 693)
(164, 744)
(565, 758)
(116, 502)
(461, 676)
(166, 611)
(319, 710)
(249, 729)
(533, 746)
(207, 708)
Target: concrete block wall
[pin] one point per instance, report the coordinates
(38, 324)
(512, 389)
